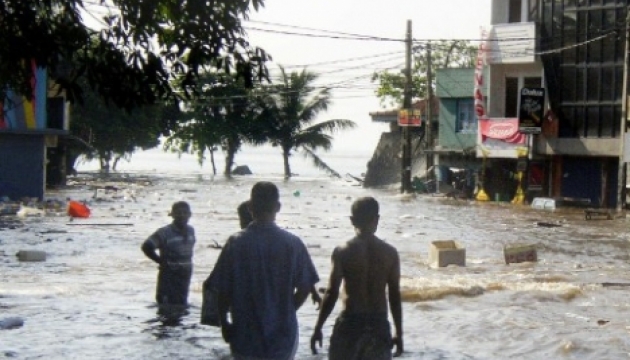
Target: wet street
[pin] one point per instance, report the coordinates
(93, 296)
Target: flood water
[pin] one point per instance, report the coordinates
(93, 297)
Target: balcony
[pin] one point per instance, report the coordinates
(513, 43)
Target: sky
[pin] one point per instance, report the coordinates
(346, 65)
(354, 99)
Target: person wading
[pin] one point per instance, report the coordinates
(368, 266)
(263, 275)
(175, 243)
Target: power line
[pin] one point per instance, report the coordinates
(344, 60)
(313, 29)
(339, 37)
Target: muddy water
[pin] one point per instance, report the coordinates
(93, 297)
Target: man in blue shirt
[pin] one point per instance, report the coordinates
(264, 275)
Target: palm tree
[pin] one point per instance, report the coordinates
(294, 105)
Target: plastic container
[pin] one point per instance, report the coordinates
(78, 210)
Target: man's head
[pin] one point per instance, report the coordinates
(264, 201)
(365, 214)
(180, 212)
(244, 215)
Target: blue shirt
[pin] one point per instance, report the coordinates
(259, 269)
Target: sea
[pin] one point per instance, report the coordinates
(93, 297)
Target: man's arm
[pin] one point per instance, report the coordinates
(224, 302)
(300, 297)
(148, 248)
(395, 304)
(224, 299)
(315, 297)
(330, 298)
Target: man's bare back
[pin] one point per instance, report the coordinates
(367, 265)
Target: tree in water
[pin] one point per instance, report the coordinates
(224, 114)
(114, 134)
(293, 107)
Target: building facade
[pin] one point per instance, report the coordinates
(574, 49)
(29, 133)
(458, 127)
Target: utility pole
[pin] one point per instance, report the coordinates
(429, 125)
(621, 178)
(406, 143)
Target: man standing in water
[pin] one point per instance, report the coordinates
(175, 243)
(368, 266)
(264, 274)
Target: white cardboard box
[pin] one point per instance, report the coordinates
(443, 253)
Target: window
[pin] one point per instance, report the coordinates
(515, 11)
(466, 119)
(511, 97)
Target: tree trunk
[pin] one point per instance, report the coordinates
(116, 159)
(104, 159)
(214, 165)
(231, 148)
(287, 167)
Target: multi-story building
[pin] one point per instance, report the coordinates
(575, 50)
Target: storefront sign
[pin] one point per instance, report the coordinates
(531, 111)
(480, 108)
(409, 118)
(504, 129)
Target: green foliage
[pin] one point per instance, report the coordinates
(143, 46)
(444, 54)
(225, 113)
(114, 133)
(294, 105)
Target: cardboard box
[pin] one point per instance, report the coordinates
(446, 252)
(520, 253)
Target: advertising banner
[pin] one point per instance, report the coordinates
(409, 118)
(530, 113)
(500, 138)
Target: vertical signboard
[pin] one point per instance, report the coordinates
(530, 112)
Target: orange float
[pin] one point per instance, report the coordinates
(78, 210)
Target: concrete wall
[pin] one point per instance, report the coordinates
(22, 166)
(385, 167)
(577, 147)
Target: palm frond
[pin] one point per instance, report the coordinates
(314, 140)
(332, 125)
(318, 162)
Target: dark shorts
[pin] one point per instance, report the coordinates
(361, 337)
(173, 284)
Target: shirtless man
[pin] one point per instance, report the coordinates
(367, 265)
